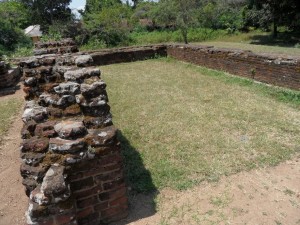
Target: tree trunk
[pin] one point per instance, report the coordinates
(184, 35)
(275, 31)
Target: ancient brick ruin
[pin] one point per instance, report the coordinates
(72, 166)
(55, 47)
(8, 78)
(279, 70)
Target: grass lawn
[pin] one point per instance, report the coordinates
(9, 107)
(186, 124)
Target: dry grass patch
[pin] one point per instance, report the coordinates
(9, 107)
(191, 124)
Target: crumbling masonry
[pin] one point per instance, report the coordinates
(8, 78)
(72, 165)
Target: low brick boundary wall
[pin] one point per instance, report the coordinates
(273, 69)
(67, 45)
(276, 70)
(128, 54)
(72, 166)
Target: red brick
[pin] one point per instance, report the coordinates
(107, 213)
(111, 176)
(113, 184)
(82, 184)
(65, 218)
(85, 212)
(47, 221)
(120, 201)
(90, 219)
(86, 193)
(111, 195)
(101, 206)
(87, 202)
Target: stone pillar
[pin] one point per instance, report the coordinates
(72, 165)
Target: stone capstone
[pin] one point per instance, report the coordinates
(64, 101)
(35, 112)
(102, 137)
(80, 74)
(69, 88)
(93, 90)
(70, 129)
(101, 100)
(84, 60)
(63, 146)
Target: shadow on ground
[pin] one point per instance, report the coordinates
(285, 39)
(142, 192)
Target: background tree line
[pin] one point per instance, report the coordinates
(106, 23)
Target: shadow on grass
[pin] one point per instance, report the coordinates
(142, 192)
(285, 39)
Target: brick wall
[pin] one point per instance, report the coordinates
(272, 69)
(8, 78)
(72, 166)
(67, 45)
(128, 54)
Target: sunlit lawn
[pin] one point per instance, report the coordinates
(190, 124)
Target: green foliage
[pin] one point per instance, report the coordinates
(221, 15)
(13, 18)
(14, 13)
(22, 52)
(109, 26)
(194, 35)
(93, 44)
(178, 13)
(46, 12)
(93, 6)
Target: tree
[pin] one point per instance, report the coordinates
(178, 13)
(14, 13)
(108, 25)
(281, 12)
(46, 12)
(13, 19)
(93, 6)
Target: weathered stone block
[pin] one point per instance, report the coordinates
(84, 61)
(36, 113)
(102, 137)
(80, 74)
(69, 88)
(46, 129)
(70, 129)
(32, 159)
(66, 146)
(35, 144)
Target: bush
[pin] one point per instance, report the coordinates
(194, 35)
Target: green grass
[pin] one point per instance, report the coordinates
(8, 108)
(259, 42)
(182, 124)
(194, 35)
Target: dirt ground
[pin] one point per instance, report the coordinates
(13, 201)
(261, 196)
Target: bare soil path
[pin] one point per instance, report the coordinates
(13, 201)
(262, 196)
